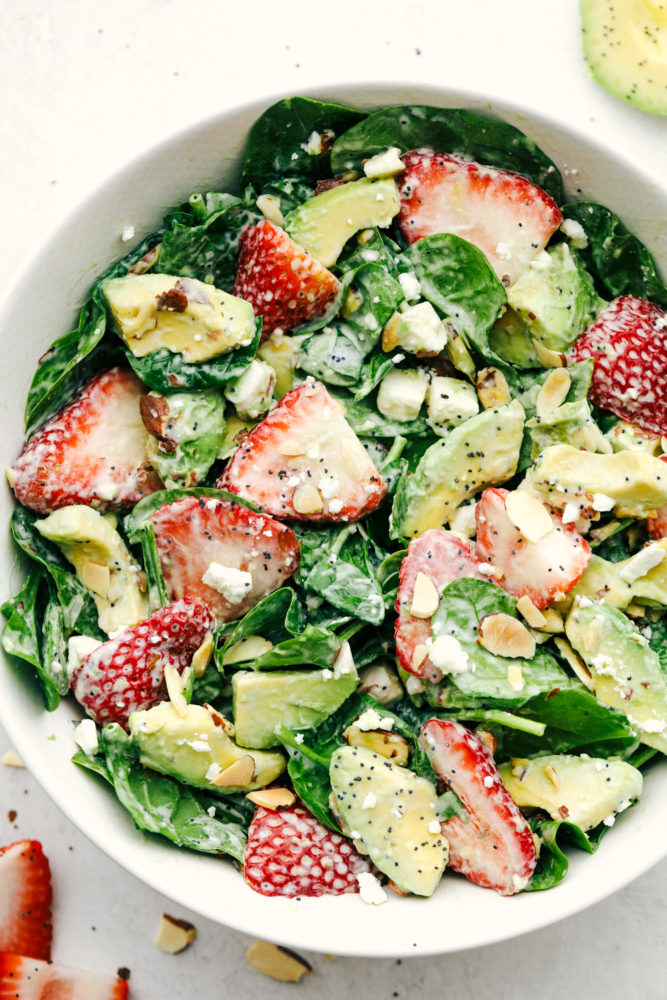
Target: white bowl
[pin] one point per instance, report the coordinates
(40, 308)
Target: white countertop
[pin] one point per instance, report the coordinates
(86, 87)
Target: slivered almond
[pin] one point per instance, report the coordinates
(390, 333)
(202, 656)
(174, 935)
(269, 206)
(220, 720)
(492, 388)
(290, 448)
(519, 766)
(352, 302)
(553, 392)
(419, 655)
(576, 663)
(11, 759)
(240, 773)
(246, 649)
(515, 677)
(425, 599)
(546, 357)
(306, 500)
(366, 235)
(276, 962)
(533, 615)
(552, 775)
(505, 636)
(554, 622)
(272, 798)
(175, 683)
(528, 515)
(96, 577)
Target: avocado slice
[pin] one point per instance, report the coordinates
(297, 699)
(510, 338)
(603, 581)
(195, 749)
(323, 224)
(625, 49)
(583, 790)
(102, 562)
(185, 434)
(281, 351)
(625, 671)
(390, 813)
(153, 312)
(636, 482)
(478, 453)
(570, 423)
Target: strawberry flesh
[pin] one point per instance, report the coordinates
(92, 452)
(544, 571)
(495, 847)
(23, 978)
(197, 531)
(126, 674)
(506, 216)
(290, 853)
(25, 900)
(304, 462)
(285, 285)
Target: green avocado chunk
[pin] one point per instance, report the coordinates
(185, 434)
(603, 581)
(297, 699)
(390, 814)
(570, 423)
(583, 790)
(480, 452)
(510, 338)
(195, 750)
(323, 224)
(625, 671)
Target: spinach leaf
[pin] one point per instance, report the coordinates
(277, 142)
(658, 640)
(54, 642)
(96, 764)
(446, 130)
(21, 638)
(140, 514)
(365, 419)
(553, 863)
(208, 687)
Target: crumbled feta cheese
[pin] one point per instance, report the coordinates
(211, 811)
(503, 252)
(369, 802)
(447, 654)
(127, 234)
(85, 736)
(603, 665)
(385, 164)
(402, 393)
(463, 522)
(214, 771)
(410, 284)
(602, 502)
(370, 889)
(234, 584)
(575, 233)
(581, 601)
(371, 719)
(313, 144)
(642, 563)
(434, 826)
(329, 486)
(519, 882)
(78, 647)
(420, 329)
(252, 392)
(327, 674)
(650, 725)
(335, 506)
(488, 781)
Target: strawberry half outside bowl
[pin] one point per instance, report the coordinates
(460, 915)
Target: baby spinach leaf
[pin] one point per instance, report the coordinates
(446, 130)
(21, 635)
(366, 420)
(553, 862)
(658, 640)
(97, 764)
(277, 142)
(54, 642)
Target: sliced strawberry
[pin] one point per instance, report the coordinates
(628, 344)
(24, 978)
(285, 285)
(508, 217)
(25, 900)
(657, 526)
(442, 557)
(197, 531)
(92, 452)
(126, 674)
(304, 461)
(290, 853)
(495, 847)
(544, 571)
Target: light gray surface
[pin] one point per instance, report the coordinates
(84, 90)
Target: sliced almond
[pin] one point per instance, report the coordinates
(487, 739)
(174, 935)
(269, 206)
(366, 235)
(11, 476)
(352, 303)
(175, 683)
(578, 666)
(528, 515)
(553, 622)
(220, 720)
(291, 448)
(505, 636)
(240, 773)
(390, 745)
(425, 599)
(276, 962)
(492, 388)
(419, 655)
(390, 333)
(248, 648)
(636, 610)
(552, 774)
(307, 500)
(546, 357)
(598, 535)
(202, 656)
(96, 577)
(515, 677)
(272, 798)
(553, 392)
(11, 759)
(533, 615)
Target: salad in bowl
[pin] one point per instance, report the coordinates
(345, 512)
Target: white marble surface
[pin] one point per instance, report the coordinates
(86, 87)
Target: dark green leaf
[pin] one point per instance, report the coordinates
(336, 564)
(20, 634)
(553, 863)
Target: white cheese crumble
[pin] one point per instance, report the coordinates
(85, 736)
(434, 826)
(575, 233)
(570, 512)
(385, 164)
(369, 802)
(78, 648)
(313, 144)
(602, 502)
(503, 252)
(299, 738)
(329, 486)
(488, 781)
(127, 234)
(370, 889)
(335, 506)
(371, 719)
(409, 282)
(642, 563)
(233, 584)
(447, 654)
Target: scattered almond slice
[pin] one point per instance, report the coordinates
(390, 745)
(11, 476)
(578, 666)
(515, 677)
(202, 656)
(533, 615)
(528, 515)
(553, 392)
(219, 719)
(306, 499)
(290, 448)
(96, 577)
(504, 635)
(492, 388)
(272, 798)
(636, 611)
(246, 649)
(419, 655)
(12, 759)
(269, 206)
(390, 333)
(552, 774)
(488, 739)
(547, 357)
(276, 962)
(553, 621)
(352, 303)
(174, 935)
(425, 598)
(175, 683)
(592, 636)
(240, 773)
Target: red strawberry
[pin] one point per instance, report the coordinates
(25, 900)
(544, 571)
(290, 853)
(628, 344)
(285, 285)
(92, 452)
(197, 531)
(442, 557)
(304, 461)
(657, 526)
(126, 674)
(508, 217)
(24, 978)
(495, 847)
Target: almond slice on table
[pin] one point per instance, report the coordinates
(505, 636)
(174, 935)
(528, 515)
(276, 962)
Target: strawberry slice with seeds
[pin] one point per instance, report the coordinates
(628, 344)
(195, 532)
(304, 461)
(495, 847)
(126, 674)
(92, 452)
(285, 285)
(25, 900)
(23, 978)
(442, 557)
(290, 853)
(506, 216)
(545, 570)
